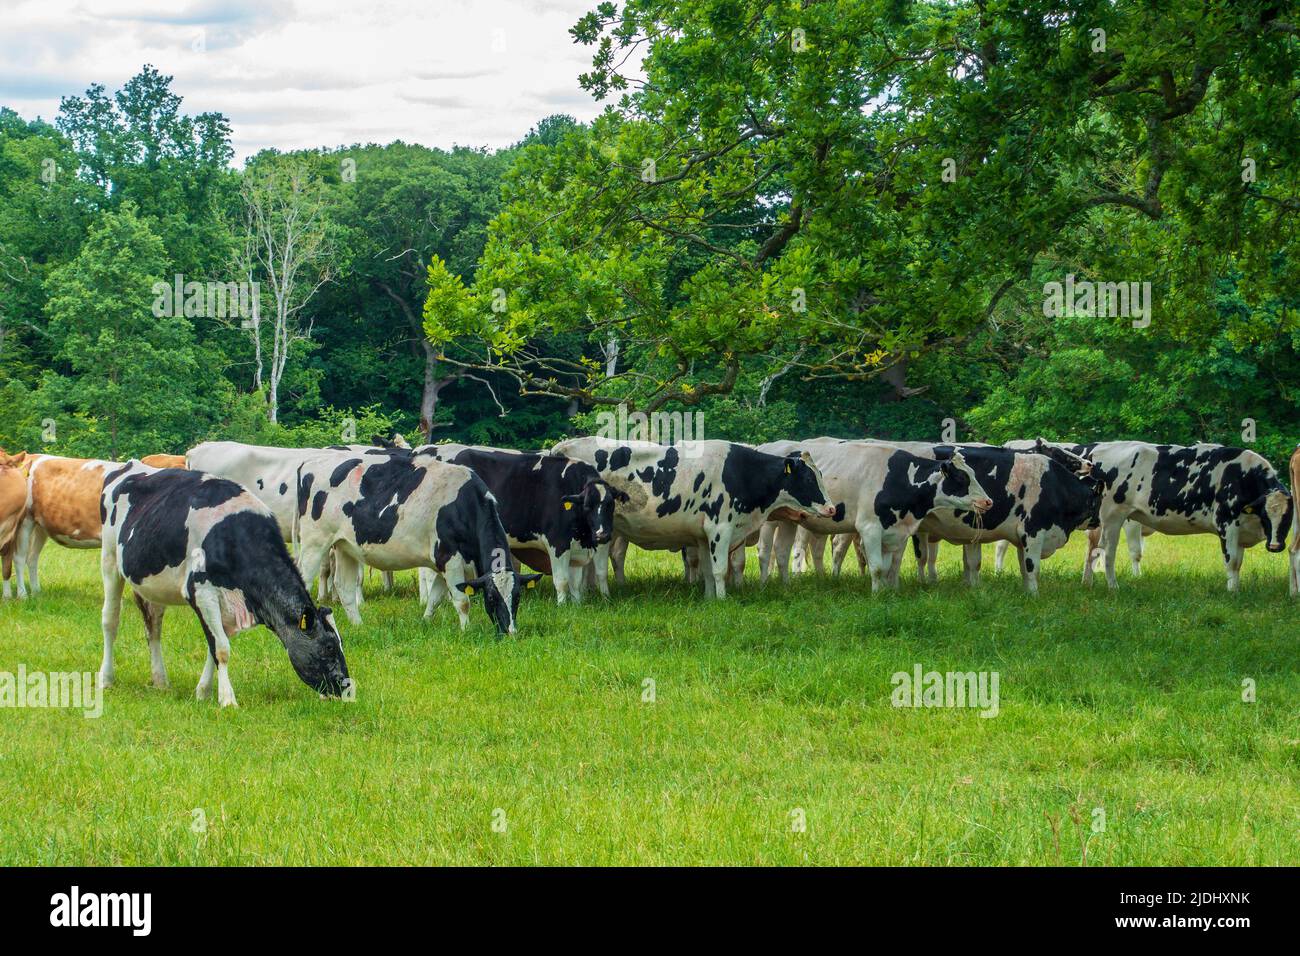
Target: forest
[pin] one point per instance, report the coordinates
(843, 218)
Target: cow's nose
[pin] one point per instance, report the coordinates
(1275, 548)
(602, 536)
(983, 505)
(828, 511)
(511, 629)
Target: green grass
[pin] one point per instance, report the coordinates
(777, 699)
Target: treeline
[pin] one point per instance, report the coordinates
(837, 218)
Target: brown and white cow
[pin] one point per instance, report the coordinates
(63, 504)
(13, 505)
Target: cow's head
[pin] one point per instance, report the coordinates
(802, 487)
(592, 510)
(1274, 509)
(958, 488)
(501, 593)
(316, 651)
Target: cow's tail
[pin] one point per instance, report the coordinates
(293, 525)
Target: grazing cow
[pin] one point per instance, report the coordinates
(63, 504)
(183, 537)
(13, 505)
(703, 494)
(547, 502)
(883, 493)
(395, 512)
(1233, 493)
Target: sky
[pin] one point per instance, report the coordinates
(304, 73)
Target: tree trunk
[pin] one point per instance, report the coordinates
(896, 377)
(429, 398)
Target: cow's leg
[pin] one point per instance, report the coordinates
(1233, 553)
(896, 565)
(972, 554)
(691, 564)
(111, 612)
(208, 607)
(1092, 558)
(29, 556)
(782, 544)
(1108, 544)
(840, 545)
(600, 568)
(1000, 555)
(617, 557)
(1133, 538)
(1031, 560)
(766, 535)
(455, 574)
(432, 588)
(386, 581)
(560, 574)
(736, 567)
(153, 618)
(347, 583)
(860, 551)
(872, 536)
(819, 542)
(1295, 565)
(719, 557)
(7, 566)
(311, 558)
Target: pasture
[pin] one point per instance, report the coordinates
(776, 701)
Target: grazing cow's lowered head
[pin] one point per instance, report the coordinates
(316, 650)
(958, 488)
(501, 593)
(1085, 470)
(593, 512)
(802, 488)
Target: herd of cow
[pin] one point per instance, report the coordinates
(210, 529)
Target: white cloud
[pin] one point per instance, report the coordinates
(307, 73)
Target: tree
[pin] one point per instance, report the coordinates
(133, 386)
(857, 183)
(287, 248)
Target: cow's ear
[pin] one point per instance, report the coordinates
(571, 500)
(469, 587)
(530, 580)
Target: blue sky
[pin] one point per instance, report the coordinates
(300, 73)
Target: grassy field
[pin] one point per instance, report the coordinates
(1122, 737)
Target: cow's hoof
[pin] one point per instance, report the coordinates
(161, 683)
(203, 693)
(105, 680)
(229, 701)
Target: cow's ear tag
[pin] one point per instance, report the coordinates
(568, 506)
(531, 584)
(787, 468)
(302, 624)
(1249, 510)
(469, 589)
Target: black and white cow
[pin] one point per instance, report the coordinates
(883, 493)
(407, 511)
(548, 503)
(702, 494)
(1233, 493)
(1039, 496)
(184, 537)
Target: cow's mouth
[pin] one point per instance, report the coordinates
(982, 505)
(1276, 548)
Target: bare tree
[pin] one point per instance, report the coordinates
(287, 250)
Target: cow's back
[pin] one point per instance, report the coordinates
(65, 495)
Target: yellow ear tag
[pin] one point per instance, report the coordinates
(469, 589)
(1249, 510)
(531, 584)
(787, 468)
(302, 625)
(568, 506)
